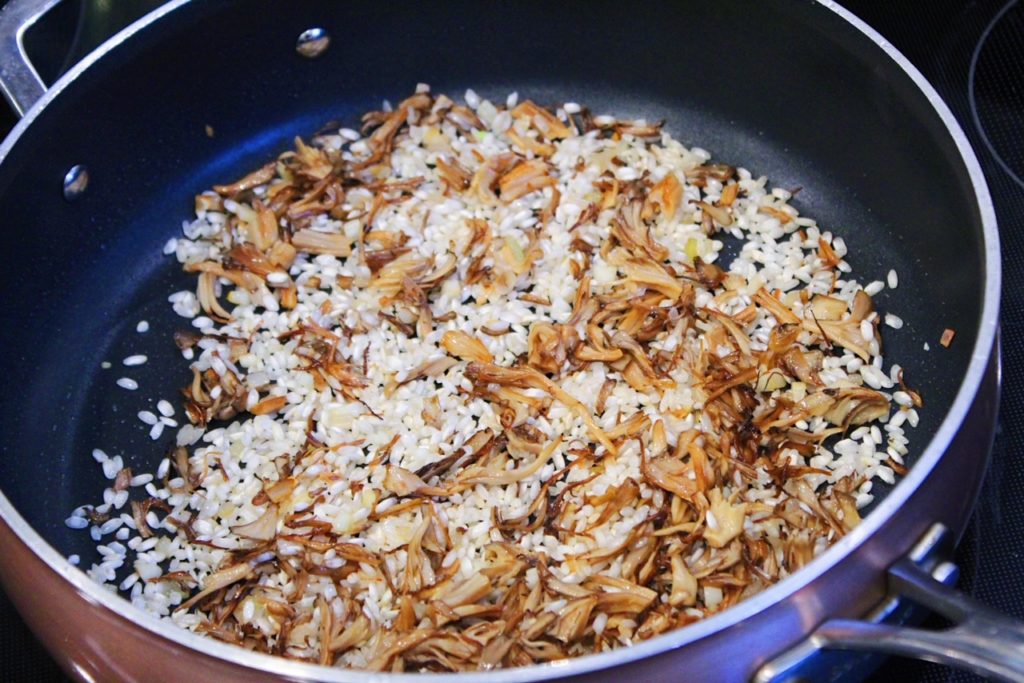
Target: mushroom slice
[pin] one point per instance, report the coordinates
(315, 242)
(684, 585)
(665, 197)
(488, 373)
(524, 178)
(488, 175)
(862, 306)
(260, 176)
(402, 482)
(453, 173)
(721, 215)
(465, 347)
(429, 368)
(652, 275)
(699, 174)
(483, 475)
(727, 521)
(546, 352)
(472, 590)
(263, 528)
(573, 619)
(392, 647)
(669, 473)
(621, 595)
(846, 333)
(546, 123)
(629, 229)
(856, 406)
(804, 365)
(779, 310)
(217, 580)
(827, 307)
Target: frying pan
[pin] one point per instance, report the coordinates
(101, 171)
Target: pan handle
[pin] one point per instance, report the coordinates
(19, 80)
(981, 640)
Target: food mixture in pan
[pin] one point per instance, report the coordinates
(469, 390)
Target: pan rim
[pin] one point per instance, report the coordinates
(933, 453)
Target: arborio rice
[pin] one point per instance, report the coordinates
(469, 391)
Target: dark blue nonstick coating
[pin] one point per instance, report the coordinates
(785, 89)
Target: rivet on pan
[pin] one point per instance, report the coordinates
(312, 42)
(75, 182)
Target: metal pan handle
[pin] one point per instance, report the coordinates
(19, 80)
(981, 640)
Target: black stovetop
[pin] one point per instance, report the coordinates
(973, 53)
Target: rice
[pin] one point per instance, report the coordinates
(502, 364)
(893, 321)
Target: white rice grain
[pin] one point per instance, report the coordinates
(874, 287)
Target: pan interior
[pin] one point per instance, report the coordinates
(786, 91)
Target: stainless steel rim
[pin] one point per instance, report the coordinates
(933, 453)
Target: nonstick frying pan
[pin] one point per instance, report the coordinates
(102, 168)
